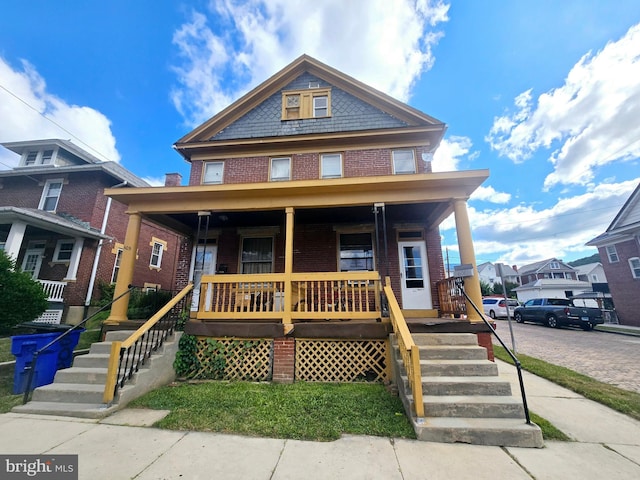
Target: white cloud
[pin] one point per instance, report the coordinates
(590, 121)
(450, 153)
(238, 44)
(489, 194)
(522, 234)
(29, 112)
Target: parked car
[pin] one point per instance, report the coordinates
(496, 307)
(558, 312)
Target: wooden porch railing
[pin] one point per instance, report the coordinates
(54, 290)
(450, 298)
(309, 296)
(408, 349)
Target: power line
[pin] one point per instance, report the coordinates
(52, 121)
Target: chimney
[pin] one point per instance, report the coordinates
(515, 267)
(172, 179)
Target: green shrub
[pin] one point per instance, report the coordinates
(21, 298)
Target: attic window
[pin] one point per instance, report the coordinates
(38, 157)
(310, 103)
(314, 84)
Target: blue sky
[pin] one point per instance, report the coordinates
(544, 93)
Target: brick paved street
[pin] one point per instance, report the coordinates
(608, 357)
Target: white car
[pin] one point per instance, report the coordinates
(495, 307)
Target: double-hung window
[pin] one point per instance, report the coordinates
(157, 248)
(331, 165)
(356, 252)
(280, 169)
(403, 161)
(612, 254)
(51, 195)
(634, 264)
(321, 106)
(213, 172)
(257, 255)
(64, 250)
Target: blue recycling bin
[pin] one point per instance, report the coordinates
(57, 356)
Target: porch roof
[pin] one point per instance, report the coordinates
(49, 222)
(167, 205)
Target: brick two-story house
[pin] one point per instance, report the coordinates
(57, 224)
(305, 197)
(619, 248)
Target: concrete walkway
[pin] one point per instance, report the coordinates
(606, 445)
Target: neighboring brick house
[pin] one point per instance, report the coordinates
(550, 268)
(305, 197)
(58, 225)
(619, 248)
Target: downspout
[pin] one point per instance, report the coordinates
(96, 260)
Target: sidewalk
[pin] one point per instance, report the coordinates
(607, 445)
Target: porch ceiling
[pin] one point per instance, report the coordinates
(420, 196)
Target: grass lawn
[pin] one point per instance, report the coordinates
(623, 401)
(304, 411)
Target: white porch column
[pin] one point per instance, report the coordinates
(467, 255)
(14, 240)
(74, 261)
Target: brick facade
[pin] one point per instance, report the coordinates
(625, 290)
(284, 352)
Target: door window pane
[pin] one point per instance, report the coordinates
(413, 267)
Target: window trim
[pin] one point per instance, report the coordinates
(45, 196)
(612, 256)
(304, 107)
(39, 157)
(633, 269)
(339, 249)
(322, 167)
(204, 173)
(58, 249)
(393, 161)
(118, 251)
(241, 263)
(163, 246)
(279, 179)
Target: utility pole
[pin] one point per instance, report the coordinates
(500, 271)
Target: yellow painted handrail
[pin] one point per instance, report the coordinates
(116, 347)
(408, 349)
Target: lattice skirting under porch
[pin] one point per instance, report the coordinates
(341, 360)
(234, 359)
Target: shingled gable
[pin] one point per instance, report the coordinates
(359, 113)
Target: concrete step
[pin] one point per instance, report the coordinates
(448, 352)
(118, 335)
(89, 375)
(458, 368)
(79, 410)
(472, 406)
(69, 393)
(101, 348)
(92, 360)
(506, 432)
(445, 338)
(463, 386)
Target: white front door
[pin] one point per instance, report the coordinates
(414, 275)
(203, 262)
(33, 259)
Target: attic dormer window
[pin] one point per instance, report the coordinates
(309, 103)
(38, 157)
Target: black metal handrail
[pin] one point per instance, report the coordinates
(31, 368)
(135, 351)
(460, 285)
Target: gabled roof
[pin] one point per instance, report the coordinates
(409, 119)
(538, 266)
(625, 225)
(587, 268)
